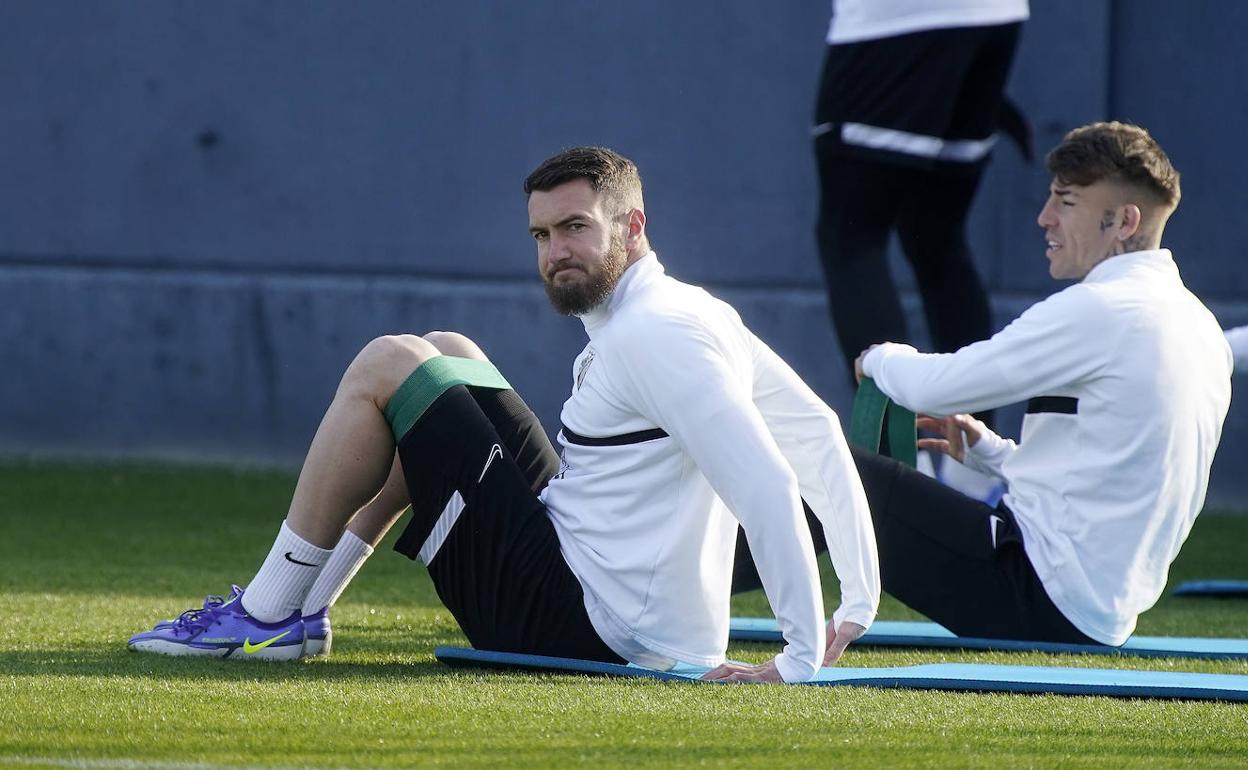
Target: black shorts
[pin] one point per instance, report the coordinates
(928, 99)
(481, 453)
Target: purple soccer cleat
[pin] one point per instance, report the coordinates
(318, 637)
(224, 630)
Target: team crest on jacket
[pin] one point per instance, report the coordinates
(584, 367)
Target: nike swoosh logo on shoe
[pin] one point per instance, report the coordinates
(249, 648)
(495, 451)
(291, 558)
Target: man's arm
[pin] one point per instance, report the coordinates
(1054, 343)
(682, 378)
(810, 437)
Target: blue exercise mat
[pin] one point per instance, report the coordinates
(1224, 589)
(957, 677)
(892, 633)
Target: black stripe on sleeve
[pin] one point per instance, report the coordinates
(624, 438)
(1053, 405)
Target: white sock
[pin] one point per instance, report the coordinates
(284, 579)
(347, 558)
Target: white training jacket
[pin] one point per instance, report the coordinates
(680, 424)
(1128, 377)
(855, 20)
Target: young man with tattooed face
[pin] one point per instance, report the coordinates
(1126, 376)
(1104, 202)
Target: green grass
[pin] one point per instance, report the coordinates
(89, 555)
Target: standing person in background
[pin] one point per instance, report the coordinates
(906, 118)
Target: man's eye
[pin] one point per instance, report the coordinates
(1068, 203)
(576, 227)
(540, 236)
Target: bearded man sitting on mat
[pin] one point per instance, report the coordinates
(681, 425)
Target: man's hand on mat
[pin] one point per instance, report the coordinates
(858, 373)
(839, 638)
(743, 672)
(959, 431)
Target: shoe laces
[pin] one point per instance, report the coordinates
(195, 619)
(201, 617)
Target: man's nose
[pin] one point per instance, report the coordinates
(559, 248)
(556, 251)
(1046, 219)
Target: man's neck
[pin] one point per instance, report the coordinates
(1140, 241)
(636, 255)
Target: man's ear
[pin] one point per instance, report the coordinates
(636, 227)
(1130, 225)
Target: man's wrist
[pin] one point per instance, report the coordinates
(845, 614)
(874, 357)
(986, 446)
(791, 670)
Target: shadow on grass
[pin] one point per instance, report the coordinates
(123, 664)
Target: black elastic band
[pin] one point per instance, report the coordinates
(624, 438)
(1053, 405)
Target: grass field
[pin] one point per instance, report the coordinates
(90, 555)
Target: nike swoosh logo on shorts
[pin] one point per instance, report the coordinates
(992, 527)
(292, 559)
(249, 648)
(495, 451)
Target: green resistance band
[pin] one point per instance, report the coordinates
(866, 423)
(433, 378)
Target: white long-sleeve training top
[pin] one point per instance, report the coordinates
(681, 424)
(1128, 380)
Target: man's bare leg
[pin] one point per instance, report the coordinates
(348, 461)
(353, 450)
(371, 523)
(365, 530)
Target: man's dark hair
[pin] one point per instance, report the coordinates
(1116, 152)
(607, 172)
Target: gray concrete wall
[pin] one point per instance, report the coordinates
(206, 209)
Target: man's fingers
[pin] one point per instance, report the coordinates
(934, 444)
(756, 676)
(741, 672)
(834, 653)
(722, 671)
(859, 373)
(743, 676)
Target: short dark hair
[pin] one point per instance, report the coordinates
(606, 171)
(1117, 152)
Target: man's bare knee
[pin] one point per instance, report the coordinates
(455, 344)
(383, 365)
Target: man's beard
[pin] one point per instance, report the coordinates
(580, 297)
